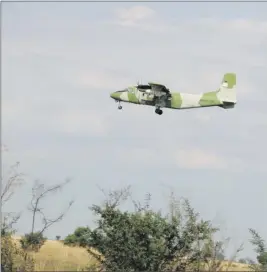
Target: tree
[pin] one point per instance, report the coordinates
(215, 251)
(78, 238)
(9, 183)
(39, 192)
(145, 240)
(260, 249)
(13, 258)
(35, 239)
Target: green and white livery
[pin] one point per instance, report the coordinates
(157, 95)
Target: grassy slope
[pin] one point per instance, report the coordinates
(55, 256)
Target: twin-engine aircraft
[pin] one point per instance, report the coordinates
(157, 95)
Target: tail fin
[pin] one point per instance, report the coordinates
(227, 90)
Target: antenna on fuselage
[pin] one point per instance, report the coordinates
(139, 82)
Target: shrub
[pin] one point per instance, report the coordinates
(78, 238)
(14, 258)
(32, 241)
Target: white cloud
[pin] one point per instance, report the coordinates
(133, 15)
(141, 18)
(203, 117)
(246, 26)
(139, 156)
(196, 158)
(82, 122)
(226, 30)
(97, 79)
(54, 114)
(12, 109)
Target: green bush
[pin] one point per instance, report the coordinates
(78, 238)
(32, 241)
(145, 240)
(261, 251)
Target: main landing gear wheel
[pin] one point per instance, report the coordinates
(158, 111)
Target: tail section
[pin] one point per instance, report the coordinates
(227, 91)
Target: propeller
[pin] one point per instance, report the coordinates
(139, 82)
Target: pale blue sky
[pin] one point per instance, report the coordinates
(62, 60)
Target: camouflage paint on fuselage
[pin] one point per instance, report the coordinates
(225, 96)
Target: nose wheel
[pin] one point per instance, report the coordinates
(119, 106)
(158, 111)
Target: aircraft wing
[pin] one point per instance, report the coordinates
(158, 87)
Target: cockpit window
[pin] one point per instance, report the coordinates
(144, 87)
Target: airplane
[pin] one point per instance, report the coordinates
(159, 96)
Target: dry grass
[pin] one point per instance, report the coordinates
(55, 256)
(233, 266)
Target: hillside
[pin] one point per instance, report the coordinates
(55, 256)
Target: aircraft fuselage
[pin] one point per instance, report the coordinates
(159, 96)
(176, 101)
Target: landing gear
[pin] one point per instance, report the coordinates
(119, 106)
(158, 111)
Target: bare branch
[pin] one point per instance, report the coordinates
(115, 197)
(12, 181)
(8, 221)
(39, 192)
(232, 259)
(142, 207)
(49, 222)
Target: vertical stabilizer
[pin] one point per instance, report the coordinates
(227, 90)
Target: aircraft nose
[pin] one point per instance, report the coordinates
(115, 95)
